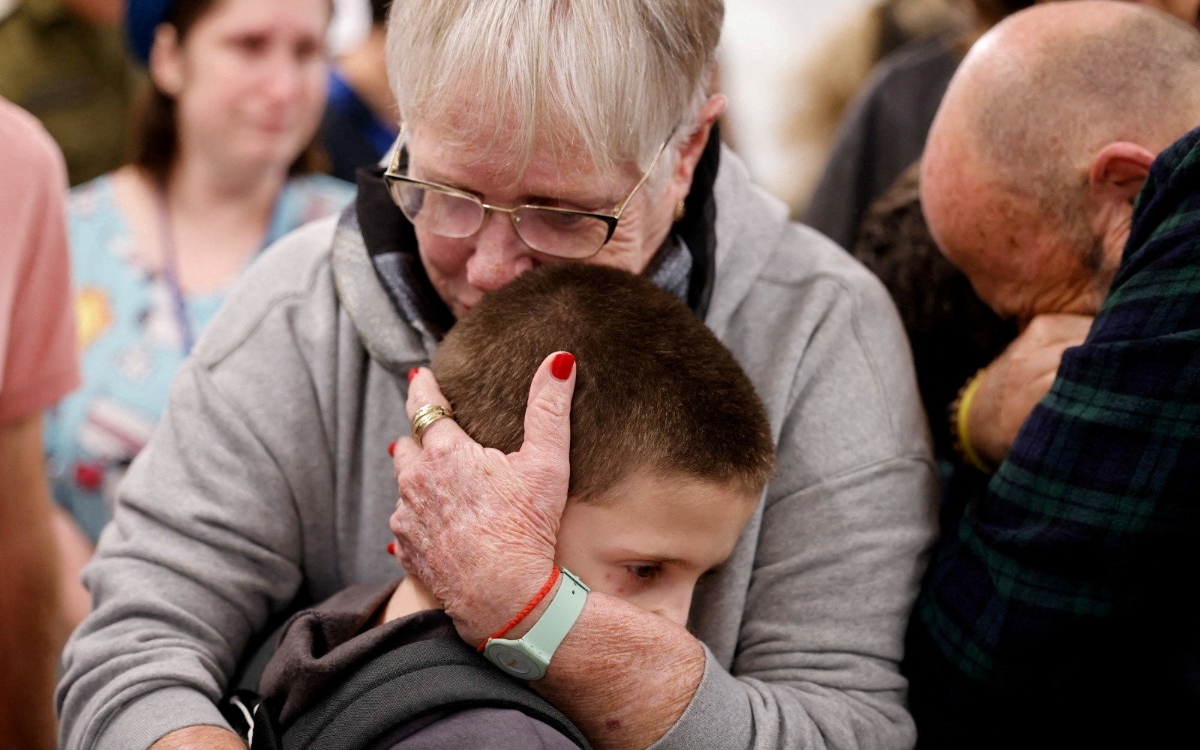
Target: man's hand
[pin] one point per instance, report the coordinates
(479, 527)
(1013, 384)
(200, 738)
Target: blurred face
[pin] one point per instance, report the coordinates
(650, 538)
(249, 81)
(1020, 263)
(463, 270)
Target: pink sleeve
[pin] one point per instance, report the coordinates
(38, 355)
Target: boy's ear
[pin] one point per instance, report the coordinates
(166, 60)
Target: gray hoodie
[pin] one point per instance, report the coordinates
(268, 480)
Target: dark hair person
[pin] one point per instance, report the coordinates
(219, 172)
(539, 132)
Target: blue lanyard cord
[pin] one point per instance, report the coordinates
(170, 271)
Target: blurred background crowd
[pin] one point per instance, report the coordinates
(187, 153)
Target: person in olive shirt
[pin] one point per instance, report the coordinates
(64, 61)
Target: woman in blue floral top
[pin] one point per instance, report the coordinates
(223, 169)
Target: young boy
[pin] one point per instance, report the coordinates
(670, 451)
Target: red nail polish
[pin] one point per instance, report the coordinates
(561, 366)
(413, 373)
(392, 549)
(392, 449)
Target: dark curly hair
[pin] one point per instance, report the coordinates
(951, 331)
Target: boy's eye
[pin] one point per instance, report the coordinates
(644, 573)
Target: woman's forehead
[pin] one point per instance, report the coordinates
(482, 159)
(270, 15)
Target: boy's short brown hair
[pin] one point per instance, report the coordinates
(655, 389)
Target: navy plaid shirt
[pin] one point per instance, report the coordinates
(1061, 608)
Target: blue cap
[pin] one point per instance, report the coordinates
(142, 18)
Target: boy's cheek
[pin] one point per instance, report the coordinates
(590, 571)
(601, 577)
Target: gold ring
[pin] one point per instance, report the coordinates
(427, 415)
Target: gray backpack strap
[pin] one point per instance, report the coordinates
(403, 684)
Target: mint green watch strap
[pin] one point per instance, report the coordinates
(529, 657)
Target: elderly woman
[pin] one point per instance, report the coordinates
(535, 132)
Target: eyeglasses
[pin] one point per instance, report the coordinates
(449, 212)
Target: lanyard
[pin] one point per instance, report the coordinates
(170, 271)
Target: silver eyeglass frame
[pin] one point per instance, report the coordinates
(392, 176)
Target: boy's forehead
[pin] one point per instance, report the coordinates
(685, 516)
(644, 485)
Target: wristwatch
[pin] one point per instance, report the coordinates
(528, 657)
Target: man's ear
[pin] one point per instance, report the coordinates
(1115, 177)
(692, 148)
(166, 60)
(1117, 173)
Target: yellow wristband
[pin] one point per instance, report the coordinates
(962, 425)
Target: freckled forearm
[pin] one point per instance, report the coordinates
(29, 624)
(623, 675)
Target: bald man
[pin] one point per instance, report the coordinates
(1062, 175)
(1036, 137)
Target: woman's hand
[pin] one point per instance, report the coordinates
(478, 527)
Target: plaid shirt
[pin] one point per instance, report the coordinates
(1060, 608)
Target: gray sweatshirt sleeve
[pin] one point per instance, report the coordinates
(820, 645)
(828, 569)
(211, 538)
(202, 550)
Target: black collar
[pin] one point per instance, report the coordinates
(392, 244)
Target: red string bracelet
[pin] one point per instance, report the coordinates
(525, 612)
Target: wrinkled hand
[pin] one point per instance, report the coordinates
(1014, 383)
(478, 527)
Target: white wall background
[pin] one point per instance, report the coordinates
(350, 24)
(763, 44)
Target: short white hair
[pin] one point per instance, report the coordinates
(610, 76)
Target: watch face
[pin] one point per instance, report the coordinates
(513, 661)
